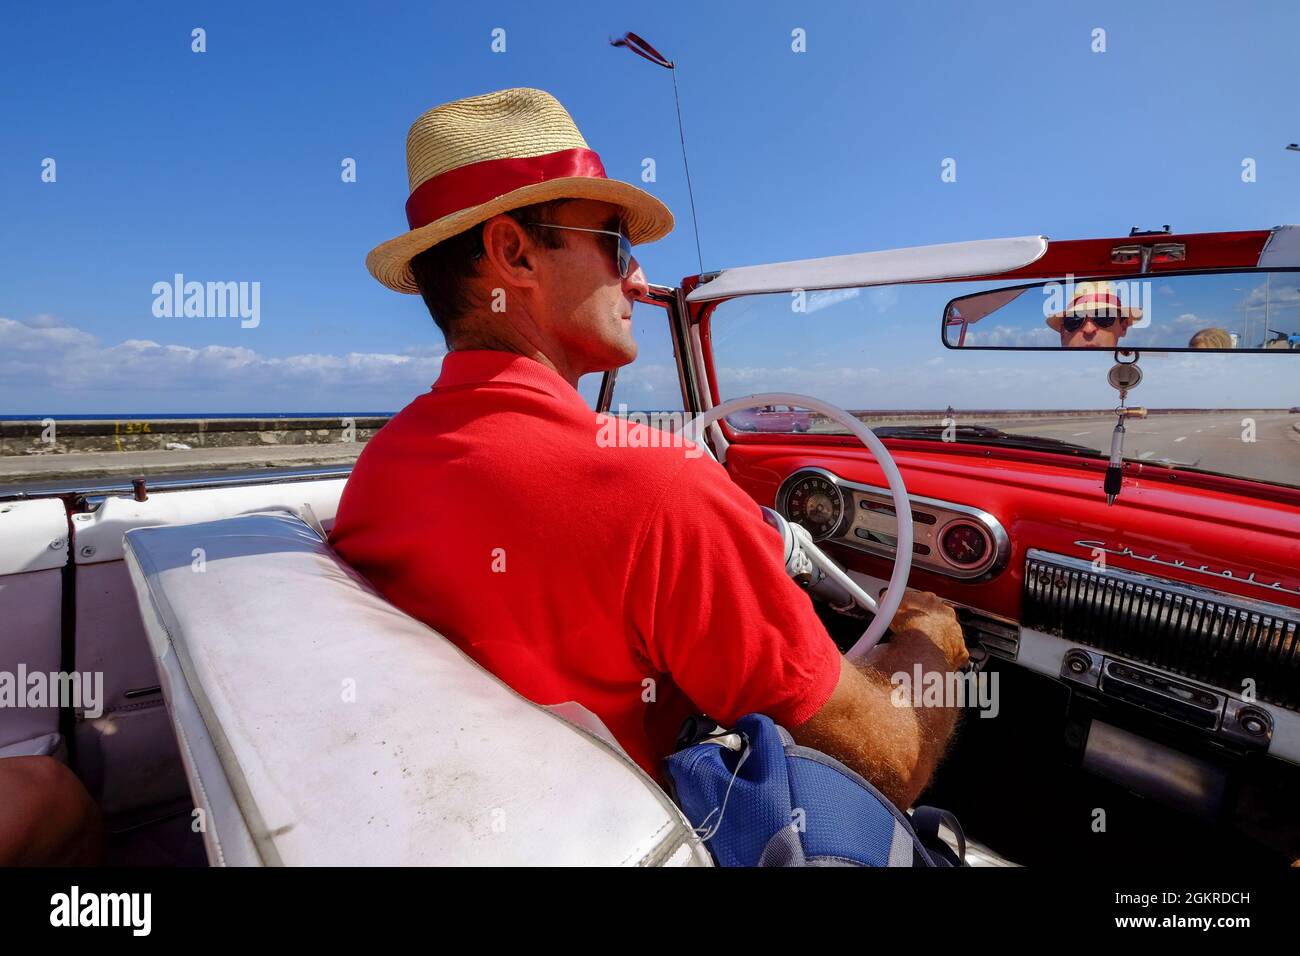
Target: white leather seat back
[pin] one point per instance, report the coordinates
(33, 552)
(321, 725)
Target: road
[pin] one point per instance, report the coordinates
(1212, 441)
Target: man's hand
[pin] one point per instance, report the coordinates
(895, 747)
(924, 613)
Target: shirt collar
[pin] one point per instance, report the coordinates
(488, 366)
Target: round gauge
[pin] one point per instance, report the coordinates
(964, 544)
(815, 503)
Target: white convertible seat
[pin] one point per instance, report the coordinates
(320, 725)
(33, 552)
(46, 745)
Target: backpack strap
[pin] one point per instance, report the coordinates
(926, 822)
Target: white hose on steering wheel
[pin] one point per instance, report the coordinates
(829, 568)
(902, 506)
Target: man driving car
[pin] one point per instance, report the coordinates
(637, 580)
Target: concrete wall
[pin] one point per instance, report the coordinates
(155, 434)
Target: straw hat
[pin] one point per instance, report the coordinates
(471, 159)
(1095, 298)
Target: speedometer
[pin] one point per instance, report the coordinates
(815, 503)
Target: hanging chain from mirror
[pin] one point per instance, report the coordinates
(1123, 376)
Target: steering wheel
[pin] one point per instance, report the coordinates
(893, 596)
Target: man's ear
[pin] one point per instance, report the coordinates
(510, 251)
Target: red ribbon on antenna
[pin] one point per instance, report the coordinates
(641, 48)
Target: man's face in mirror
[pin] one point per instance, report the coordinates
(1092, 332)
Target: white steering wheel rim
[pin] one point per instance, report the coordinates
(888, 606)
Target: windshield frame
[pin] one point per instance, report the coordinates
(701, 317)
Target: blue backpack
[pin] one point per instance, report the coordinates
(759, 799)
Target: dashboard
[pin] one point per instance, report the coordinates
(1182, 603)
(948, 538)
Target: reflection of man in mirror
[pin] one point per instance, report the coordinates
(1211, 338)
(1095, 317)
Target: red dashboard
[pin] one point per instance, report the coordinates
(1224, 534)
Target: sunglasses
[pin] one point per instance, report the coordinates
(1073, 323)
(623, 252)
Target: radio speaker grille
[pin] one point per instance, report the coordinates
(1204, 635)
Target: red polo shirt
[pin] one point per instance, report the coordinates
(627, 575)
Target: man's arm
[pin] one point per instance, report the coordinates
(896, 748)
(739, 637)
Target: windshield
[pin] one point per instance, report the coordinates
(877, 352)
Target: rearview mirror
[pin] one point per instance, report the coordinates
(1219, 312)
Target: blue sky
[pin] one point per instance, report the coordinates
(225, 166)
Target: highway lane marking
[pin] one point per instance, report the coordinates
(1184, 438)
(1077, 434)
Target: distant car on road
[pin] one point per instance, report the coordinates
(771, 418)
(1295, 409)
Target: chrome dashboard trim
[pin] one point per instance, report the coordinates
(1045, 654)
(949, 513)
(1194, 591)
(1154, 558)
(1211, 637)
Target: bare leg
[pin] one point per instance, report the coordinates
(46, 816)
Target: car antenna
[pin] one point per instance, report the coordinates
(641, 48)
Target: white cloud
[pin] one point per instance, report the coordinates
(45, 356)
(1013, 336)
(1274, 295)
(884, 298)
(48, 367)
(648, 386)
